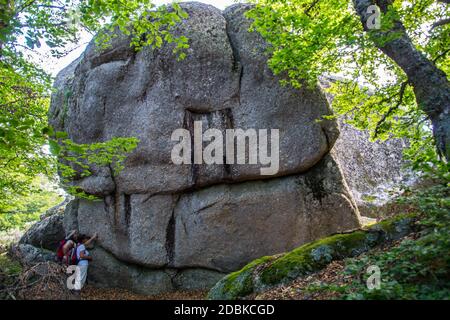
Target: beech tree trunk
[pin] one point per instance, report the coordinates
(430, 84)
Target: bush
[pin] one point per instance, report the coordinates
(418, 267)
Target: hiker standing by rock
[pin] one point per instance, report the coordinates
(83, 258)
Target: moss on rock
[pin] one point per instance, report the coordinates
(312, 257)
(309, 258)
(239, 283)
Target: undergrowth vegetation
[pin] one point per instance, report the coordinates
(417, 268)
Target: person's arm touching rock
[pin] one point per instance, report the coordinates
(91, 240)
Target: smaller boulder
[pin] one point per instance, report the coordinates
(45, 234)
(28, 255)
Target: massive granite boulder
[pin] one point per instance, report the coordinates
(164, 226)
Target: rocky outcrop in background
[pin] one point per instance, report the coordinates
(374, 171)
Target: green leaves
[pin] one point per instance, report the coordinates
(306, 37)
(309, 39)
(24, 98)
(146, 24)
(80, 160)
(55, 148)
(27, 206)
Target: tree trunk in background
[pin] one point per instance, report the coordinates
(5, 12)
(430, 84)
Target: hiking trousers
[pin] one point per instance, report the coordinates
(80, 277)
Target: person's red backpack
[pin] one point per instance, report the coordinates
(59, 251)
(72, 258)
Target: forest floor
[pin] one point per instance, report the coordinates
(92, 293)
(46, 281)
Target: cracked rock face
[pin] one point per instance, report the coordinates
(185, 225)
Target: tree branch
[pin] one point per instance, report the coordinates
(25, 5)
(391, 109)
(312, 5)
(440, 23)
(430, 84)
(443, 54)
